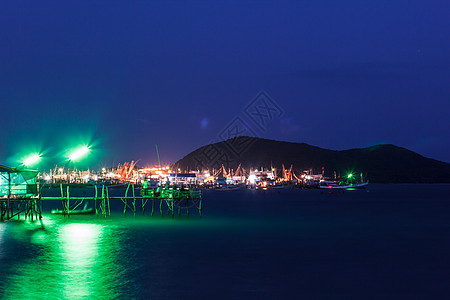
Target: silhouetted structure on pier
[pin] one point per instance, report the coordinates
(19, 193)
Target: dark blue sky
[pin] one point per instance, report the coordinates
(124, 75)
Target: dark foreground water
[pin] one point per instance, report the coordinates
(390, 242)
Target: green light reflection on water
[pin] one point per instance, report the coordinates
(79, 252)
(68, 261)
(95, 258)
(2, 230)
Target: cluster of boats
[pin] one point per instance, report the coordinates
(260, 179)
(220, 179)
(323, 184)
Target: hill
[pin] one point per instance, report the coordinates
(383, 163)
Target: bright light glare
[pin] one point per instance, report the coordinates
(350, 175)
(32, 159)
(252, 179)
(79, 153)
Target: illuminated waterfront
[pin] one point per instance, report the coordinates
(388, 241)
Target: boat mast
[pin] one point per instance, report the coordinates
(157, 153)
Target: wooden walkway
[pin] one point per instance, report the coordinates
(11, 207)
(169, 202)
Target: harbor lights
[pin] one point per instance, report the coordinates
(31, 160)
(349, 176)
(79, 153)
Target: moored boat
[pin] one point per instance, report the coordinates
(87, 211)
(337, 186)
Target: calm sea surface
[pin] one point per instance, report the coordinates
(387, 242)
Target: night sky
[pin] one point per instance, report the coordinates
(123, 76)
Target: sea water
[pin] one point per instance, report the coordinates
(389, 241)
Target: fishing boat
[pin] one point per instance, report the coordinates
(87, 211)
(337, 186)
(348, 182)
(282, 185)
(231, 187)
(75, 211)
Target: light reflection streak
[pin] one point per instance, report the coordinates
(66, 260)
(79, 253)
(2, 230)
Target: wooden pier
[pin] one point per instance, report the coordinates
(30, 208)
(168, 200)
(20, 194)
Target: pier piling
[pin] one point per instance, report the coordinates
(168, 200)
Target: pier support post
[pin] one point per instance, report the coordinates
(173, 208)
(107, 201)
(187, 206)
(153, 205)
(144, 201)
(96, 198)
(7, 208)
(134, 201)
(40, 206)
(103, 205)
(68, 201)
(126, 200)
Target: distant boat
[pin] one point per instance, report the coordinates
(84, 211)
(118, 185)
(282, 186)
(337, 186)
(231, 187)
(110, 186)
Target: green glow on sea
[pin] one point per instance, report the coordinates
(84, 257)
(74, 261)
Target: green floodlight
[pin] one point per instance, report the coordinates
(79, 153)
(350, 175)
(32, 159)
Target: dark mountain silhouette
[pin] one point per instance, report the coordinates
(383, 163)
